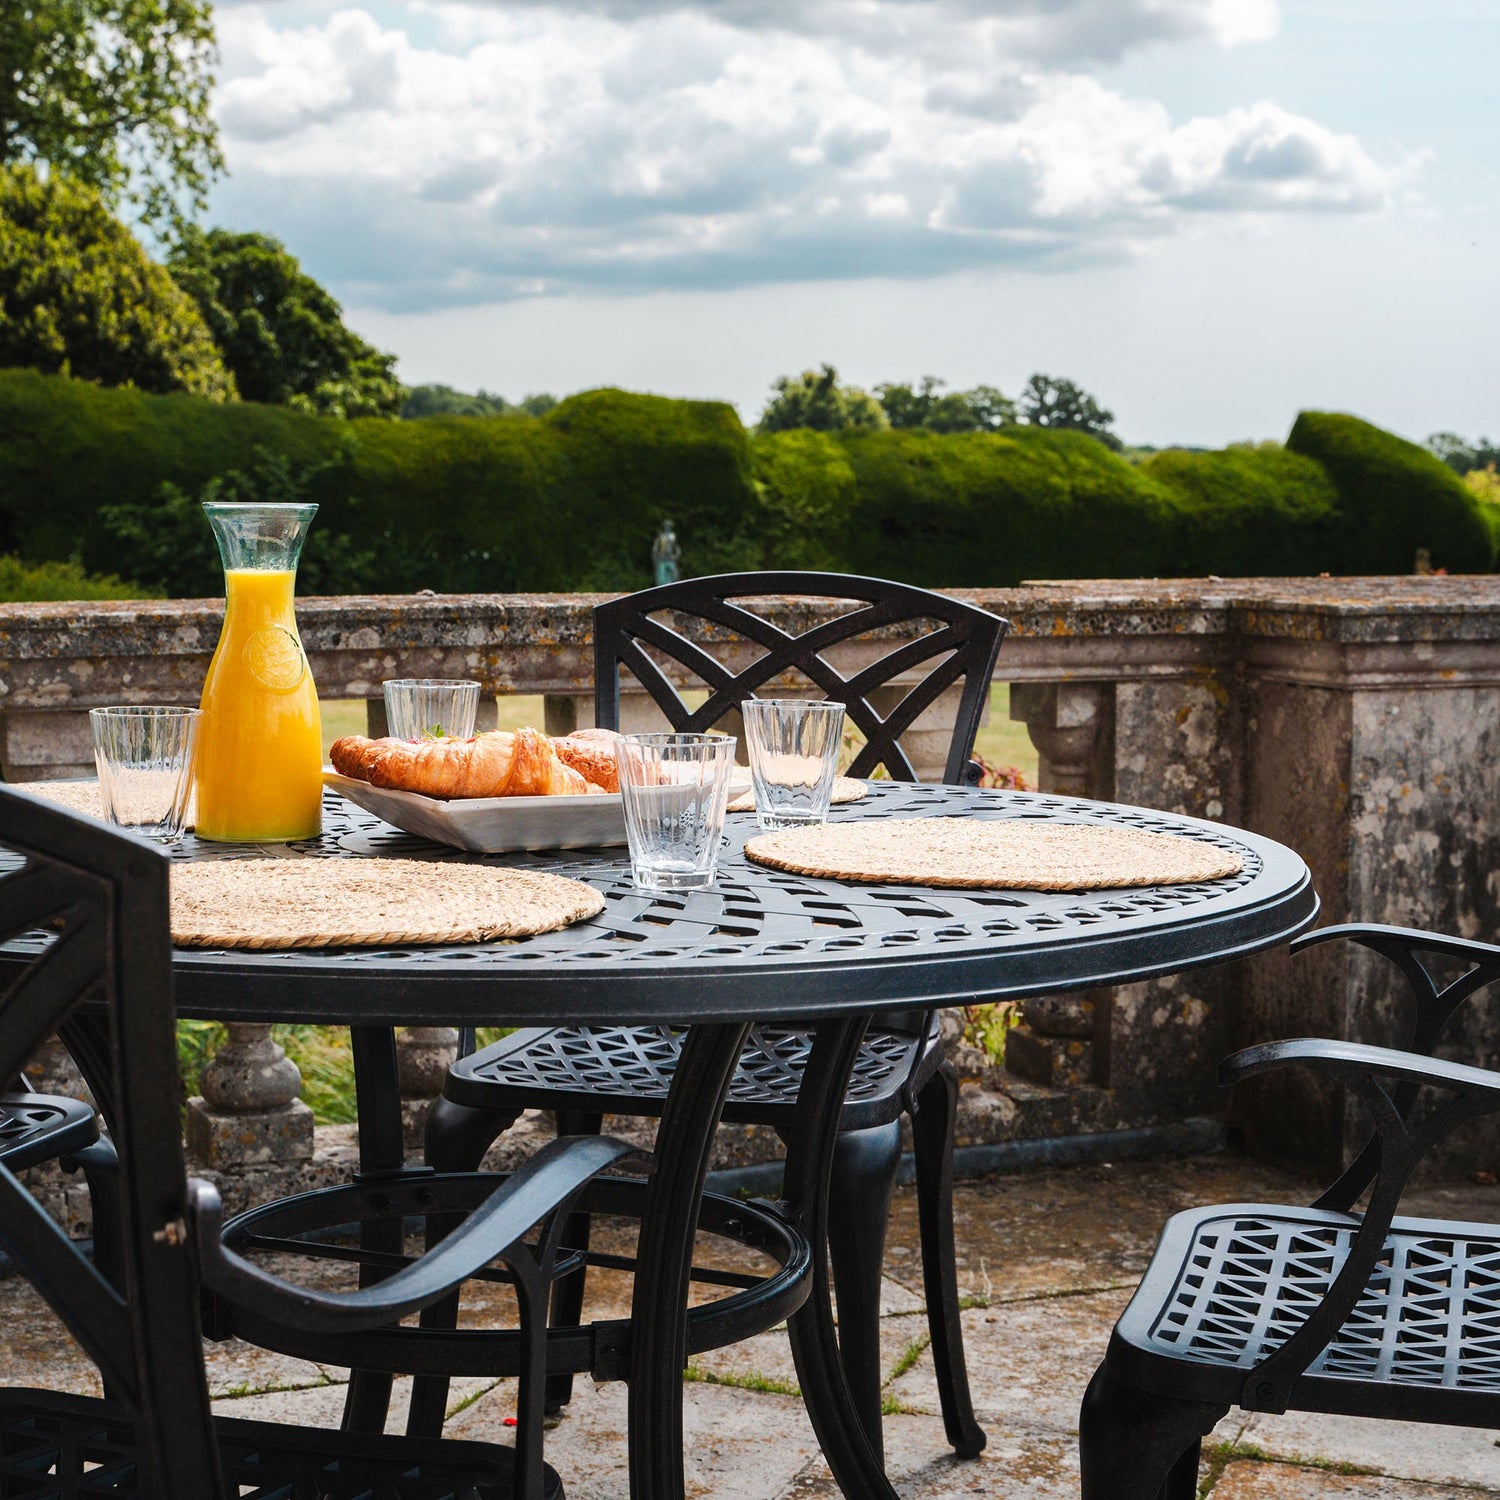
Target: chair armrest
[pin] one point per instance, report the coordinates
(1393, 1155)
(543, 1185)
(1349, 1061)
(1381, 938)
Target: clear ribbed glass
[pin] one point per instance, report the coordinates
(675, 788)
(145, 761)
(793, 744)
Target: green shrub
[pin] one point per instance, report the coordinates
(29, 583)
(572, 499)
(1394, 497)
(1248, 511)
(963, 510)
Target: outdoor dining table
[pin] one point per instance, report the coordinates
(760, 944)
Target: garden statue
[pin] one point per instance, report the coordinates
(665, 555)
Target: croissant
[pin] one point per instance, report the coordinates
(591, 752)
(499, 763)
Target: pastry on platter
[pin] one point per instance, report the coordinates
(591, 752)
(499, 763)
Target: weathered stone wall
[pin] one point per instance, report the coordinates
(1356, 720)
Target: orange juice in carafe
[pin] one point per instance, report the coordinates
(259, 773)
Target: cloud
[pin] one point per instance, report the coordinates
(440, 152)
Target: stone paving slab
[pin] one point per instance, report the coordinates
(1053, 1258)
(1247, 1480)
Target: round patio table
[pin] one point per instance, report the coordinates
(759, 945)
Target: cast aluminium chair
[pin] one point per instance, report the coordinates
(584, 1074)
(85, 912)
(1270, 1307)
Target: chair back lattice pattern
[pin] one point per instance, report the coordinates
(706, 634)
(1429, 1316)
(103, 977)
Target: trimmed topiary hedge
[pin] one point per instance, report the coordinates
(572, 500)
(1393, 498)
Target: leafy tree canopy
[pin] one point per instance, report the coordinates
(817, 400)
(1462, 455)
(280, 333)
(983, 409)
(114, 93)
(79, 296)
(1049, 401)
(444, 401)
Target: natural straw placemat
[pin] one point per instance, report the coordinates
(349, 903)
(1020, 854)
(76, 796)
(845, 789)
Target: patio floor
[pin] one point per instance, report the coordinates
(1048, 1259)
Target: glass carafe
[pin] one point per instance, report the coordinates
(260, 743)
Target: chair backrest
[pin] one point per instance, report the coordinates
(644, 634)
(84, 912)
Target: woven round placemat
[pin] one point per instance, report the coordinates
(845, 789)
(76, 796)
(348, 903)
(1019, 854)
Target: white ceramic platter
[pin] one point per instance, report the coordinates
(492, 825)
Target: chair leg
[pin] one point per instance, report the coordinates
(567, 1291)
(1135, 1445)
(456, 1140)
(859, 1209)
(934, 1125)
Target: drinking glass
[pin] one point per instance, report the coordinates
(674, 788)
(145, 761)
(431, 708)
(794, 757)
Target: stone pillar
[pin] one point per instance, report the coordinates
(45, 744)
(249, 1113)
(1381, 767)
(423, 1056)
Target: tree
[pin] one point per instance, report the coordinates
(444, 401)
(1049, 401)
(983, 409)
(114, 93)
(280, 333)
(1461, 455)
(79, 296)
(818, 401)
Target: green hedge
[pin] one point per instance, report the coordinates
(1393, 498)
(572, 499)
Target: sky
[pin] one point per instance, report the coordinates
(1210, 213)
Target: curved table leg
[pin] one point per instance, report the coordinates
(856, 1465)
(658, 1347)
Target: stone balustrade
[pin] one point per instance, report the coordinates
(1354, 719)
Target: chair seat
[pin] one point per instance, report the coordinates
(1229, 1284)
(79, 1448)
(37, 1127)
(576, 1068)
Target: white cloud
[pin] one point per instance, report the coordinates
(483, 152)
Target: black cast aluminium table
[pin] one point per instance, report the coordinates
(760, 944)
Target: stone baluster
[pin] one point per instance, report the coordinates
(49, 744)
(1072, 726)
(423, 1056)
(249, 1114)
(1062, 1040)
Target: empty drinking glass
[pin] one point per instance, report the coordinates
(145, 762)
(418, 708)
(794, 757)
(674, 788)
